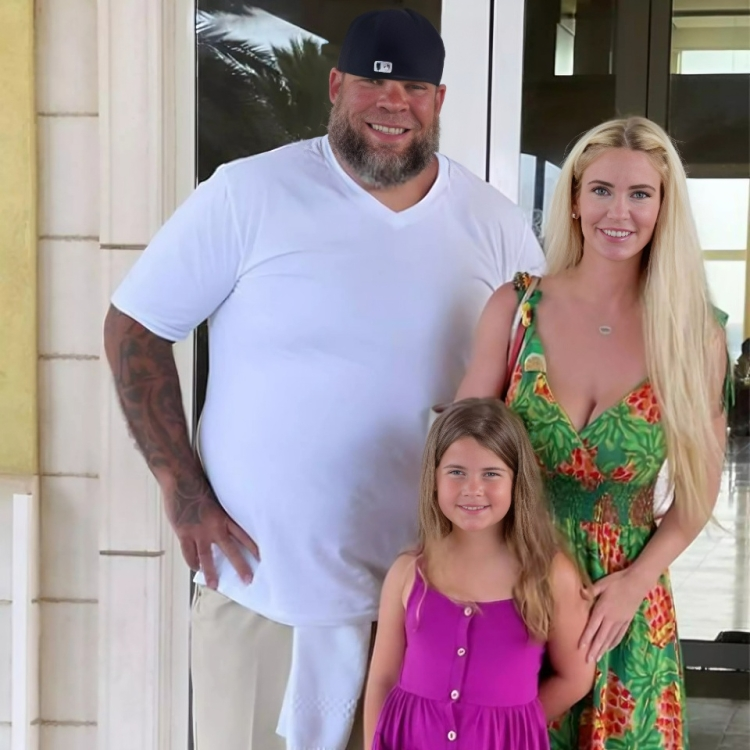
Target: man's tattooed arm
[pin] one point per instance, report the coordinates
(148, 388)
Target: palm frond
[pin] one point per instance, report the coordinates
(233, 7)
(252, 100)
(304, 68)
(235, 53)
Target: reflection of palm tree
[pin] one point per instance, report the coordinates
(234, 7)
(249, 100)
(299, 94)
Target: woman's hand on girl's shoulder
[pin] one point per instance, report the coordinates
(489, 358)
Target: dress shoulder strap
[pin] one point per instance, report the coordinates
(728, 394)
(526, 287)
(521, 283)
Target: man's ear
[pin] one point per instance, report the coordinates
(440, 97)
(335, 82)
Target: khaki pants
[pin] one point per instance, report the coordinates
(240, 664)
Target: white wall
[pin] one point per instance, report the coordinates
(466, 35)
(507, 89)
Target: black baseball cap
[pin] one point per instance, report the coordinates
(398, 44)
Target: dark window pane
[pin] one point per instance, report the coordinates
(584, 63)
(709, 117)
(263, 71)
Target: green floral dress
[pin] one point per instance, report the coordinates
(600, 484)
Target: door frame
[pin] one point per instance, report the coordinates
(505, 89)
(646, 90)
(466, 28)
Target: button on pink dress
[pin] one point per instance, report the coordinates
(469, 679)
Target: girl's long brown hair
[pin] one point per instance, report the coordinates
(527, 528)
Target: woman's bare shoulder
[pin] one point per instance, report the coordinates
(503, 303)
(554, 285)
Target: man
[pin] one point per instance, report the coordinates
(342, 277)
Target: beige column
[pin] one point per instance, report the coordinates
(146, 109)
(68, 353)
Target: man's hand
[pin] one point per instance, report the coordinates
(199, 521)
(145, 377)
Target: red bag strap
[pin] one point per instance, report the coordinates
(518, 333)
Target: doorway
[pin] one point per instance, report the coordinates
(686, 65)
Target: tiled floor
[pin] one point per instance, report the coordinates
(719, 724)
(711, 579)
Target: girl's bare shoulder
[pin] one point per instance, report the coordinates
(566, 578)
(402, 574)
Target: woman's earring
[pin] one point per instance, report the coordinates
(574, 216)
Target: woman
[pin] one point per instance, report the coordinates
(623, 365)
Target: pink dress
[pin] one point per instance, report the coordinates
(469, 679)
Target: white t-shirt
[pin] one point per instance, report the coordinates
(335, 323)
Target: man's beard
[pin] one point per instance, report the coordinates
(381, 167)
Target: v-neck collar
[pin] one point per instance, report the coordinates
(563, 411)
(372, 204)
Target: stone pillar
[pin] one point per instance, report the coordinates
(146, 75)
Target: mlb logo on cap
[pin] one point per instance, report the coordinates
(383, 67)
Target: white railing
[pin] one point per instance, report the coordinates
(25, 624)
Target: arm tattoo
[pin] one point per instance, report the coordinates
(148, 389)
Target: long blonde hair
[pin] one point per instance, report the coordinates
(679, 323)
(527, 528)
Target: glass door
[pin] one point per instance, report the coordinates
(686, 65)
(707, 112)
(584, 62)
(262, 82)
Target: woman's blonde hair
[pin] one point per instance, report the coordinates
(527, 528)
(679, 322)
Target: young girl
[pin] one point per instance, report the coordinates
(464, 624)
